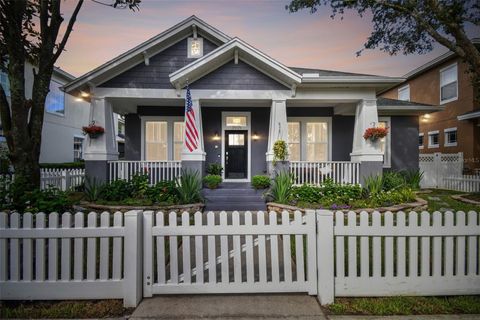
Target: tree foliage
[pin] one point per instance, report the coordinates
(411, 26)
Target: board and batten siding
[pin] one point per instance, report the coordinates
(404, 142)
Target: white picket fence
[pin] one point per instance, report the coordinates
(156, 170)
(343, 172)
(331, 254)
(63, 179)
(464, 183)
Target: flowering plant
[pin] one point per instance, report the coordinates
(92, 130)
(375, 133)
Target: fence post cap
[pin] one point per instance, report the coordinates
(133, 213)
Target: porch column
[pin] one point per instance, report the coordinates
(278, 128)
(364, 151)
(195, 160)
(104, 148)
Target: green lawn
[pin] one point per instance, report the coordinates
(405, 305)
(440, 200)
(63, 309)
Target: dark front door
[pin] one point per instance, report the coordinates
(236, 154)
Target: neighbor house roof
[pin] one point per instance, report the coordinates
(386, 105)
(475, 114)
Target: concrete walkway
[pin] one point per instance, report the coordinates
(238, 307)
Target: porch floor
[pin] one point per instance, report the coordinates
(230, 196)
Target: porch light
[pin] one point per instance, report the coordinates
(255, 136)
(216, 137)
(78, 99)
(85, 94)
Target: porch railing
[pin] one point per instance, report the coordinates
(343, 172)
(156, 170)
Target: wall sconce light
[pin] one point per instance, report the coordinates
(255, 136)
(78, 99)
(85, 94)
(216, 137)
(425, 117)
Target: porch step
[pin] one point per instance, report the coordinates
(234, 196)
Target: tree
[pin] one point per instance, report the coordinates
(29, 31)
(411, 26)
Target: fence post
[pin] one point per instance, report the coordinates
(325, 257)
(65, 177)
(148, 254)
(132, 259)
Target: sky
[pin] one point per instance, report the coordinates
(295, 39)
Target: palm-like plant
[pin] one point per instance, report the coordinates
(189, 187)
(282, 187)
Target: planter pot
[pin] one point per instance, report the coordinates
(95, 135)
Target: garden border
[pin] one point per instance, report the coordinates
(193, 207)
(460, 197)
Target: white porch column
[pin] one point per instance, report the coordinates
(278, 128)
(195, 160)
(364, 151)
(104, 148)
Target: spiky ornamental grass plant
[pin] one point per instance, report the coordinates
(282, 187)
(189, 187)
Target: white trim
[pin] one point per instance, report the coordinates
(169, 120)
(453, 65)
(387, 159)
(303, 133)
(467, 116)
(404, 88)
(445, 137)
(248, 128)
(432, 146)
(423, 141)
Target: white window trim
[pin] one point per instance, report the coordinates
(431, 146)
(387, 160)
(248, 128)
(440, 84)
(169, 120)
(303, 133)
(189, 45)
(448, 144)
(406, 87)
(423, 136)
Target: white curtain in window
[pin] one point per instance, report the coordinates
(317, 141)
(294, 141)
(156, 137)
(178, 137)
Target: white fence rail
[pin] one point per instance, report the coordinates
(205, 263)
(343, 172)
(52, 257)
(63, 179)
(157, 170)
(464, 183)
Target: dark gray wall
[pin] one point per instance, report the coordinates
(155, 75)
(239, 76)
(309, 112)
(342, 137)
(404, 134)
(163, 111)
(212, 122)
(133, 141)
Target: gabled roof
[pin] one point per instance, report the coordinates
(309, 72)
(233, 50)
(394, 105)
(147, 49)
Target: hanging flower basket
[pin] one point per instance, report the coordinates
(93, 131)
(375, 133)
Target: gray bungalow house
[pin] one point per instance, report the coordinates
(244, 101)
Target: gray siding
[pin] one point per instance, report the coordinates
(342, 137)
(155, 75)
(404, 134)
(133, 141)
(239, 76)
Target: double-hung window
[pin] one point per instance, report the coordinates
(450, 137)
(162, 138)
(404, 93)
(385, 143)
(178, 136)
(309, 139)
(449, 84)
(77, 148)
(55, 102)
(433, 139)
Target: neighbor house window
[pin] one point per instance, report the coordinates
(294, 141)
(420, 141)
(236, 121)
(404, 93)
(77, 148)
(450, 137)
(433, 139)
(449, 84)
(195, 47)
(156, 140)
(5, 83)
(55, 102)
(178, 140)
(385, 143)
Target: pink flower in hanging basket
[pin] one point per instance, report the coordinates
(93, 131)
(375, 133)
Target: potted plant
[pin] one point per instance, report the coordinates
(93, 131)
(375, 133)
(212, 181)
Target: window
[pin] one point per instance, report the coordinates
(420, 141)
(385, 143)
(195, 47)
(294, 141)
(156, 140)
(55, 102)
(450, 137)
(404, 93)
(235, 121)
(433, 139)
(317, 141)
(448, 84)
(5, 83)
(121, 127)
(178, 137)
(77, 148)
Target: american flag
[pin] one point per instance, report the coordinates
(191, 133)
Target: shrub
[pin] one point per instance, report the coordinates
(393, 180)
(413, 177)
(212, 181)
(307, 193)
(373, 184)
(163, 192)
(93, 190)
(282, 187)
(260, 182)
(215, 169)
(189, 187)
(330, 194)
(139, 185)
(5, 196)
(48, 200)
(117, 190)
(389, 198)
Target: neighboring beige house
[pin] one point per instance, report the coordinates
(444, 81)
